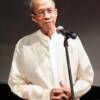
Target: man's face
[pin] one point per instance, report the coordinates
(44, 14)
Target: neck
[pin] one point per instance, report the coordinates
(49, 33)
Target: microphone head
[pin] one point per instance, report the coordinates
(66, 33)
(60, 29)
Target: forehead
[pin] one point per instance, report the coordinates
(42, 4)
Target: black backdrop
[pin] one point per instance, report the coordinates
(82, 16)
(6, 94)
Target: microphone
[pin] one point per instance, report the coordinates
(66, 33)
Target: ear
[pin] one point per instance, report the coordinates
(33, 18)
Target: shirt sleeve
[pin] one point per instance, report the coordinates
(85, 72)
(18, 83)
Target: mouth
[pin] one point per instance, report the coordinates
(49, 23)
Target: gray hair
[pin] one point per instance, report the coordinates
(30, 5)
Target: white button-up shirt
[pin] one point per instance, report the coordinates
(39, 64)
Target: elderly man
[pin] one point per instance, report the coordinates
(39, 68)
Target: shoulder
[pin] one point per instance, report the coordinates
(28, 39)
(75, 41)
(75, 44)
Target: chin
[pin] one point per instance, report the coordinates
(50, 26)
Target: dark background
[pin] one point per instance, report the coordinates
(80, 16)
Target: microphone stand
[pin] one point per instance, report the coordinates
(69, 68)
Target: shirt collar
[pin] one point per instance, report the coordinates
(42, 36)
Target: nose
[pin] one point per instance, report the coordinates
(46, 15)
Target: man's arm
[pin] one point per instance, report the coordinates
(85, 72)
(18, 83)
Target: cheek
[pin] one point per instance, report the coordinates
(54, 18)
(39, 21)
